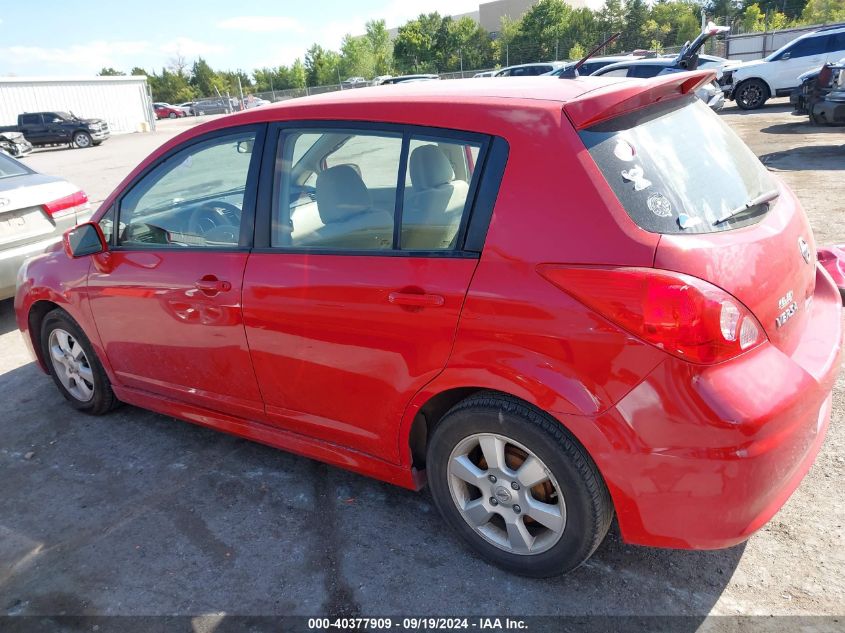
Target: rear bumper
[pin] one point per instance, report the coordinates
(702, 457)
(12, 258)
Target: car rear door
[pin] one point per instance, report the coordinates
(353, 292)
(32, 125)
(804, 55)
(166, 297)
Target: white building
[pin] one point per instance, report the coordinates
(123, 102)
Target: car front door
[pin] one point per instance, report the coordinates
(353, 292)
(166, 298)
(56, 129)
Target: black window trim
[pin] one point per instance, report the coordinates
(247, 228)
(474, 221)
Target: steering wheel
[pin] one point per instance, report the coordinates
(216, 221)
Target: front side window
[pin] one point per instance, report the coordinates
(193, 199)
(341, 189)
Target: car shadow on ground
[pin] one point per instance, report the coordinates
(137, 513)
(808, 157)
(801, 125)
(7, 316)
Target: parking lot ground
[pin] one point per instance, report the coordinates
(137, 513)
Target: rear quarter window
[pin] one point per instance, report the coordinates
(678, 168)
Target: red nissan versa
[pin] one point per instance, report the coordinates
(553, 308)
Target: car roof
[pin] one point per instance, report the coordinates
(457, 91)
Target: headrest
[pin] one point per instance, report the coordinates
(341, 194)
(430, 168)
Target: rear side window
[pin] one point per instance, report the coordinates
(807, 47)
(644, 70)
(680, 169)
(9, 167)
(30, 119)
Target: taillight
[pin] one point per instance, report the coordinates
(66, 205)
(683, 315)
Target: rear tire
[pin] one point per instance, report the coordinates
(82, 140)
(74, 366)
(751, 94)
(542, 520)
(172, 115)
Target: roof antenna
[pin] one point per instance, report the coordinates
(571, 72)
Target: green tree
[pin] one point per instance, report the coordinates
(576, 51)
(110, 72)
(170, 87)
(678, 21)
(419, 44)
(381, 47)
(636, 16)
(356, 57)
(612, 20)
(297, 74)
(823, 11)
(467, 45)
(137, 71)
(322, 66)
(203, 78)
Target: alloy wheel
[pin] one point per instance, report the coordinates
(506, 494)
(71, 365)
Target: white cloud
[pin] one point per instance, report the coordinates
(261, 24)
(86, 58)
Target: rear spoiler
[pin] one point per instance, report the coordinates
(627, 96)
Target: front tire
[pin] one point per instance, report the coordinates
(751, 94)
(517, 487)
(172, 115)
(74, 366)
(83, 140)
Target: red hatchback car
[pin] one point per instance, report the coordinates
(556, 307)
(167, 111)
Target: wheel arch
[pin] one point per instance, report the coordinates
(758, 78)
(430, 406)
(35, 317)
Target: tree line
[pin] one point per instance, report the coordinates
(432, 43)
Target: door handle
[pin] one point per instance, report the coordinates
(211, 285)
(415, 299)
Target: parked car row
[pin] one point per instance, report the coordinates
(821, 95)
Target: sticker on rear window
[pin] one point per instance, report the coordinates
(659, 205)
(624, 151)
(636, 176)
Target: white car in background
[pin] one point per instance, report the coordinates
(751, 84)
(35, 211)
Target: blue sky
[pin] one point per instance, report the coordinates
(78, 37)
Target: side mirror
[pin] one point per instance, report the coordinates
(786, 55)
(84, 239)
(56, 120)
(245, 147)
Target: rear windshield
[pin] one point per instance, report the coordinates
(10, 167)
(681, 169)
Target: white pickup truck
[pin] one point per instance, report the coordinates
(751, 84)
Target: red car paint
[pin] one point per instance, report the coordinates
(319, 355)
(168, 112)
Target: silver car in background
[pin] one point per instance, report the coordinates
(35, 210)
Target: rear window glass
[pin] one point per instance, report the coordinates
(680, 169)
(9, 167)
